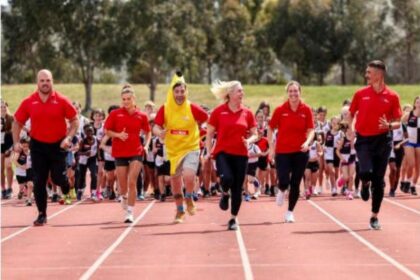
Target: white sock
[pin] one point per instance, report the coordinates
(130, 209)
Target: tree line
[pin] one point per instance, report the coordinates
(254, 41)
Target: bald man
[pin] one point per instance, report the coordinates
(48, 111)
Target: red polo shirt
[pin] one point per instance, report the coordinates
(292, 126)
(371, 106)
(231, 127)
(199, 115)
(48, 120)
(120, 119)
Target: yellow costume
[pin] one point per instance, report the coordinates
(182, 132)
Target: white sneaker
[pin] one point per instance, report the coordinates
(129, 217)
(280, 198)
(288, 217)
(124, 202)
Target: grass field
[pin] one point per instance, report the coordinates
(106, 94)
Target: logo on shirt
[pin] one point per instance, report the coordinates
(303, 115)
(224, 113)
(35, 102)
(285, 114)
(366, 98)
(120, 115)
(179, 132)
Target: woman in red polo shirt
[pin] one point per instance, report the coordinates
(231, 120)
(124, 126)
(294, 122)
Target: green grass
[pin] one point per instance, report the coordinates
(105, 95)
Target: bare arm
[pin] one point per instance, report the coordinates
(159, 131)
(309, 138)
(210, 134)
(16, 129)
(271, 145)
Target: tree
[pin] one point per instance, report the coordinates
(406, 15)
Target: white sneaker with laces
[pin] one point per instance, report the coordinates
(129, 217)
(280, 198)
(288, 217)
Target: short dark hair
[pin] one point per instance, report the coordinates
(177, 84)
(321, 109)
(378, 64)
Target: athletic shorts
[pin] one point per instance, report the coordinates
(164, 169)
(352, 159)
(262, 163)
(150, 164)
(109, 165)
(25, 179)
(125, 161)
(414, 145)
(397, 156)
(335, 161)
(313, 166)
(190, 161)
(252, 169)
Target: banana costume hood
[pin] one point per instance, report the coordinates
(182, 132)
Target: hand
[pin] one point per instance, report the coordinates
(304, 148)
(271, 156)
(65, 144)
(245, 141)
(383, 123)
(123, 135)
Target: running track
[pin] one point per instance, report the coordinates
(330, 240)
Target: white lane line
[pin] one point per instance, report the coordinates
(402, 206)
(117, 242)
(244, 256)
(49, 218)
(372, 247)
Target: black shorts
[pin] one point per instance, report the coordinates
(399, 156)
(150, 164)
(252, 169)
(263, 163)
(8, 143)
(336, 161)
(109, 165)
(25, 179)
(313, 166)
(101, 155)
(164, 169)
(125, 161)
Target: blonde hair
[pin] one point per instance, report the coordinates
(222, 89)
(127, 88)
(291, 83)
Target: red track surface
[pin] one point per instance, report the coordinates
(89, 240)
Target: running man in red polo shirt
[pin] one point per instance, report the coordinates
(124, 126)
(48, 111)
(377, 111)
(294, 122)
(232, 121)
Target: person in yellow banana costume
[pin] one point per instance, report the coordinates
(177, 122)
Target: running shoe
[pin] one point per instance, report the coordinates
(224, 202)
(28, 202)
(307, 194)
(73, 193)
(65, 199)
(272, 191)
(79, 194)
(129, 217)
(141, 197)
(112, 196)
(350, 195)
(392, 193)
(413, 190)
(99, 195)
(20, 195)
(191, 209)
(195, 196)
(3, 194)
(267, 190)
(334, 191)
(365, 191)
(163, 197)
(280, 198)
(213, 191)
(206, 193)
(93, 197)
(232, 225)
(179, 217)
(54, 198)
(41, 220)
(374, 223)
(288, 217)
(247, 197)
(357, 194)
(406, 187)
